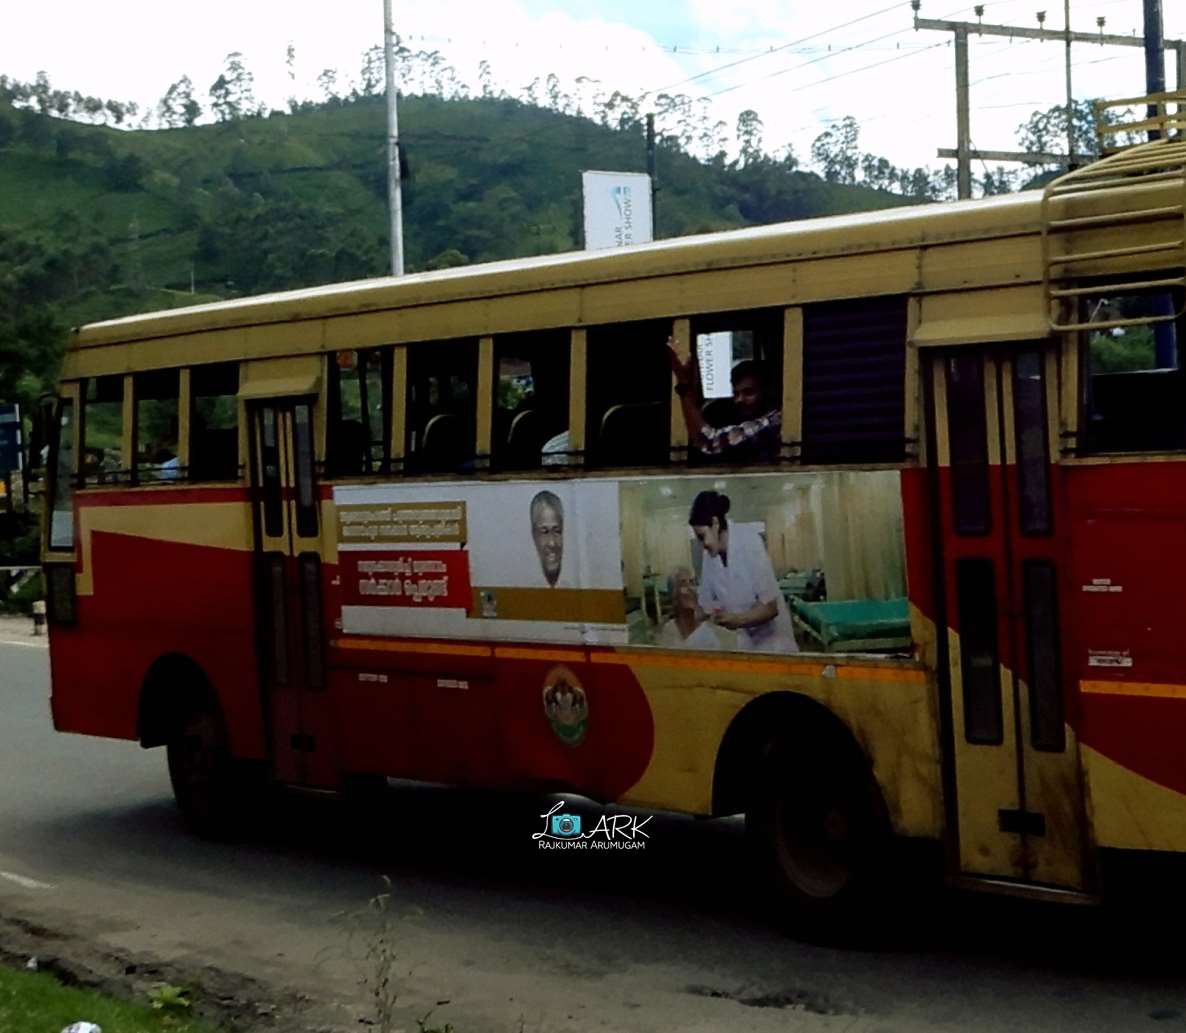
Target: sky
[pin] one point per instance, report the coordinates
(801, 64)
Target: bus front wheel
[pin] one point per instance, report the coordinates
(817, 826)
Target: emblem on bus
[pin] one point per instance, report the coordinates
(565, 705)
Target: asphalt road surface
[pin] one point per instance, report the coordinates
(492, 934)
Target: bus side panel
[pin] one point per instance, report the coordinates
(142, 598)
(429, 711)
(888, 707)
(1128, 598)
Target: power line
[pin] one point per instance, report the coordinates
(815, 61)
(773, 50)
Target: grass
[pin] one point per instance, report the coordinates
(33, 1002)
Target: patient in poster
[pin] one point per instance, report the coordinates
(773, 564)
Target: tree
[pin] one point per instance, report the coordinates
(749, 137)
(232, 94)
(327, 81)
(373, 72)
(241, 83)
(1046, 131)
(176, 107)
(835, 151)
(220, 100)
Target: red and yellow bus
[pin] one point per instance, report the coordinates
(454, 527)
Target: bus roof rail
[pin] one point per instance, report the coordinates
(1117, 227)
(1117, 133)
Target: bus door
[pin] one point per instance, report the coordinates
(1012, 754)
(288, 592)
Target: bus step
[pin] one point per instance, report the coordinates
(1025, 890)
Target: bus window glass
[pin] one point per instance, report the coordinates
(214, 423)
(306, 494)
(1033, 464)
(157, 435)
(854, 381)
(269, 460)
(360, 412)
(103, 430)
(1047, 731)
(530, 399)
(739, 357)
(1135, 389)
(628, 394)
(977, 613)
(968, 435)
(442, 406)
(61, 533)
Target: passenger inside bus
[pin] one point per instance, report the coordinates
(755, 431)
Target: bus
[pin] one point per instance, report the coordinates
(520, 525)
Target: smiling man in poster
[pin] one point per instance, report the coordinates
(547, 531)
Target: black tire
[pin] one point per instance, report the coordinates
(819, 833)
(209, 786)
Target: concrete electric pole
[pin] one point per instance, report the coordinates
(963, 152)
(395, 202)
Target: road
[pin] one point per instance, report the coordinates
(507, 937)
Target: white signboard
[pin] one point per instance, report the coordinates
(617, 209)
(715, 355)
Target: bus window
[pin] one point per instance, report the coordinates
(214, 423)
(360, 413)
(103, 430)
(530, 396)
(61, 479)
(442, 406)
(854, 381)
(968, 432)
(740, 361)
(628, 394)
(157, 438)
(1134, 390)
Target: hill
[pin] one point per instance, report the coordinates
(97, 222)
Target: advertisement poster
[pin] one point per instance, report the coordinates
(766, 563)
(508, 561)
(778, 563)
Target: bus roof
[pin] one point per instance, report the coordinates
(851, 233)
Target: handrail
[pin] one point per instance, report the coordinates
(1085, 256)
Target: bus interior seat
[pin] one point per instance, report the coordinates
(216, 455)
(525, 440)
(349, 448)
(447, 445)
(633, 434)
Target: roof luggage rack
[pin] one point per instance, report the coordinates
(1087, 255)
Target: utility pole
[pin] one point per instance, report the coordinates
(652, 172)
(1066, 31)
(963, 117)
(395, 202)
(1154, 57)
(963, 152)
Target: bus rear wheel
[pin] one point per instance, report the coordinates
(818, 829)
(203, 772)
